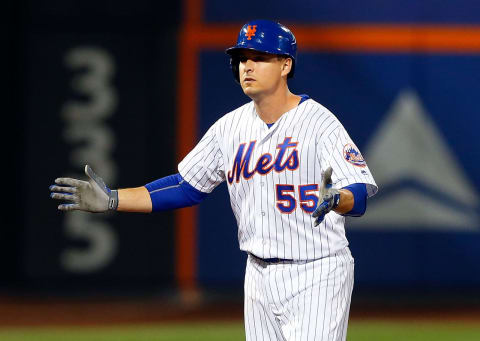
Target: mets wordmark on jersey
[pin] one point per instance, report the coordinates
(273, 176)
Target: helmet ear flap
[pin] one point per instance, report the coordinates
(234, 61)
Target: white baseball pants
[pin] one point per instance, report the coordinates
(298, 300)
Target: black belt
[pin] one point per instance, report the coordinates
(271, 260)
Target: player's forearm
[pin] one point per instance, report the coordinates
(346, 202)
(134, 200)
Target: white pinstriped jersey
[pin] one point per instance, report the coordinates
(273, 176)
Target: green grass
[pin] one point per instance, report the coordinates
(358, 331)
(171, 332)
(413, 331)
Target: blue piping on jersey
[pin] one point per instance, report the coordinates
(304, 98)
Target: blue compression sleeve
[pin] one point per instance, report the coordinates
(173, 192)
(360, 200)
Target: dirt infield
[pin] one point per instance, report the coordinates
(104, 311)
(16, 311)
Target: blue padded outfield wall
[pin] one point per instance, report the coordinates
(414, 116)
(348, 11)
(78, 92)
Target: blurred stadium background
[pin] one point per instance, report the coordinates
(130, 86)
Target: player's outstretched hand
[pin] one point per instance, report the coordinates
(91, 196)
(329, 197)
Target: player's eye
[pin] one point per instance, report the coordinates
(255, 58)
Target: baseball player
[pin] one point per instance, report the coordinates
(293, 174)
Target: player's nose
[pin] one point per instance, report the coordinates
(249, 65)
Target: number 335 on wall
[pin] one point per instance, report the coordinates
(92, 141)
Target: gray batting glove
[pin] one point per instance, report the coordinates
(330, 197)
(91, 196)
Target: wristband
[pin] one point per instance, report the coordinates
(113, 200)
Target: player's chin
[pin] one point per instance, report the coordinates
(249, 89)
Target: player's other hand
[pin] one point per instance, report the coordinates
(91, 196)
(329, 198)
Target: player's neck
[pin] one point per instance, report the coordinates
(270, 108)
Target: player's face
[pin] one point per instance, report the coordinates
(261, 73)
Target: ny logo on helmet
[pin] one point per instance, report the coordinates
(251, 31)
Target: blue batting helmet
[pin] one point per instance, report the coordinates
(264, 36)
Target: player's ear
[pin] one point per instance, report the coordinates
(286, 66)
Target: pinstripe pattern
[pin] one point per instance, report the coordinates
(263, 229)
(299, 300)
(306, 296)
